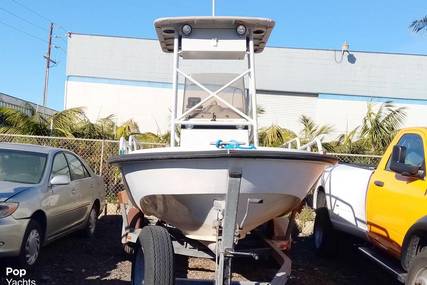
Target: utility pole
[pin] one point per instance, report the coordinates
(213, 7)
(48, 62)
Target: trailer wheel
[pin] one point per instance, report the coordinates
(153, 262)
(129, 249)
(324, 235)
(417, 274)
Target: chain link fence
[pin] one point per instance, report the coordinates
(97, 152)
(358, 159)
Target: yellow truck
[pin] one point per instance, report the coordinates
(386, 207)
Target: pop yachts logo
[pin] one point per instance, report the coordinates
(17, 277)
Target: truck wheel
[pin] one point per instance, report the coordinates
(417, 274)
(321, 200)
(153, 262)
(31, 244)
(324, 235)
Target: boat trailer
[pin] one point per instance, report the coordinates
(226, 239)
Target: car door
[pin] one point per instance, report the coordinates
(61, 202)
(82, 183)
(395, 202)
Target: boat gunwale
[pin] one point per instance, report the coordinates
(217, 154)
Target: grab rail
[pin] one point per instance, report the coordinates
(128, 146)
(317, 141)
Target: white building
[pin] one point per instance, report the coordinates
(131, 78)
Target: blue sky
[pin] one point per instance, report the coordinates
(375, 25)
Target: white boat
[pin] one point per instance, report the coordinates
(188, 184)
(180, 186)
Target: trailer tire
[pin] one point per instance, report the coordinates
(324, 235)
(417, 273)
(128, 249)
(153, 262)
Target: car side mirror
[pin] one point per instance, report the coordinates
(60, 180)
(398, 163)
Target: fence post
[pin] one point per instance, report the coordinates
(102, 158)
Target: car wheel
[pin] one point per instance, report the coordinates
(91, 223)
(154, 258)
(324, 236)
(417, 274)
(31, 245)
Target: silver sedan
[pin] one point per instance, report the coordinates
(45, 193)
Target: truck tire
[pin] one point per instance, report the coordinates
(153, 262)
(324, 235)
(321, 200)
(417, 274)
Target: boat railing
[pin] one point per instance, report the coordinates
(132, 144)
(296, 141)
(317, 141)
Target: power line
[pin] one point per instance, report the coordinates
(38, 14)
(33, 11)
(24, 20)
(22, 31)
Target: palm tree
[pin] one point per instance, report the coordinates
(128, 128)
(260, 110)
(347, 143)
(32, 122)
(379, 127)
(275, 136)
(101, 129)
(419, 25)
(311, 130)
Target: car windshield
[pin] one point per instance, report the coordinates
(21, 166)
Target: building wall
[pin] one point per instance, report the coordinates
(285, 109)
(131, 78)
(346, 114)
(145, 104)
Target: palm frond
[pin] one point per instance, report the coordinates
(419, 25)
(64, 123)
(311, 130)
(380, 126)
(127, 128)
(275, 136)
(260, 110)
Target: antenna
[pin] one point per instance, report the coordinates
(213, 7)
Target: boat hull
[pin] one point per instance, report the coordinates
(181, 189)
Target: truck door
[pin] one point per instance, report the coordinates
(395, 202)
